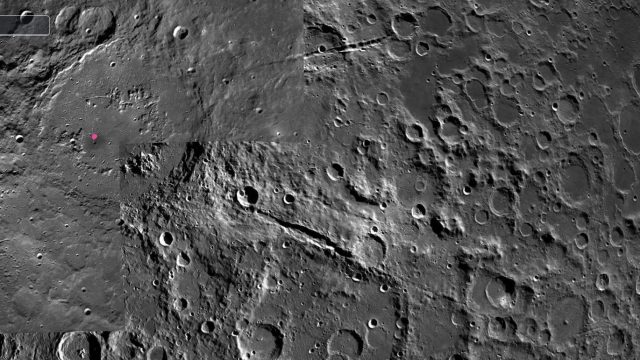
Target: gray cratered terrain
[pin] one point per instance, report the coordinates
(324, 180)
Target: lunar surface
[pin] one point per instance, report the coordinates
(321, 179)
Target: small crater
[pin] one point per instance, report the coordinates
(582, 241)
(597, 310)
(502, 201)
(616, 342)
(260, 342)
(183, 259)
(437, 225)
(180, 32)
(575, 179)
(399, 49)
(602, 281)
(529, 327)
(449, 130)
(418, 211)
(544, 337)
(422, 48)
(415, 132)
(547, 72)
(500, 292)
(567, 109)
(180, 304)
(157, 353)
(371, 250)
(481, 217)
(335, 172)
(526, 229)
(67, 19)
(98, 22)
(501, 328)
(506, 110)
(345, 342)
(166, 239)
(616, 238)
(289, 198)
(79, 346)
(624, 174)
(372, 323)
(382, 98)
(543, 139)
(436, 21)
(26, 17)
(404, 24)
(582, 221)
(247, 196)
(477, 93)
(207, 327)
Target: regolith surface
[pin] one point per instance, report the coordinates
(333, 180)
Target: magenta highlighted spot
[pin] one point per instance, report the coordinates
(94, 136)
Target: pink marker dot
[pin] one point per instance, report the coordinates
(94, 136)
